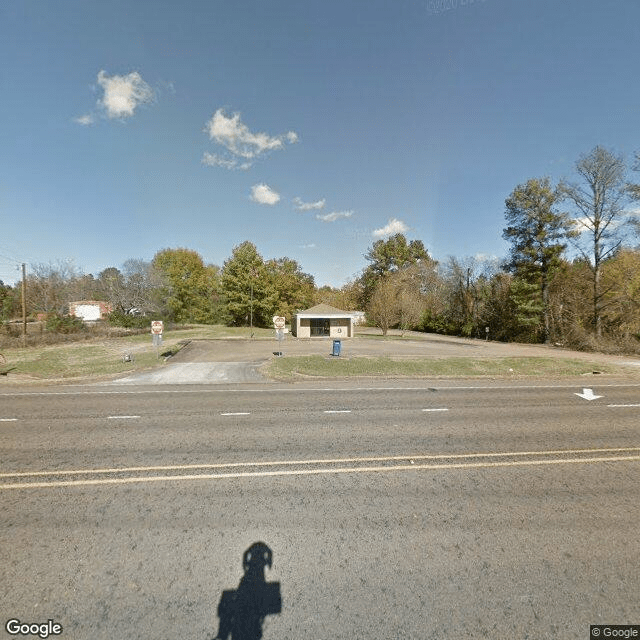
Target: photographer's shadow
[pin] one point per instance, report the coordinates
(242, 612)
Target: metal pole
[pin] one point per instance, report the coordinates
(251, 308)
(24, 305)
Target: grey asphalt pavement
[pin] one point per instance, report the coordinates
(415, 511)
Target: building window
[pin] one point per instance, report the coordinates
(319, 327)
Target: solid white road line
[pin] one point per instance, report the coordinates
(237, 413)
(122, 417)
(337, 411)
(308, 472)
(432, 410)
(269, 389)
(623, 405)
(8, 419)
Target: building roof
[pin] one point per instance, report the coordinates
(324, 310)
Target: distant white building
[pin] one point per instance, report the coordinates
(90, 310)
(358, 317)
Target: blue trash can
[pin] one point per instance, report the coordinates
(337, 345)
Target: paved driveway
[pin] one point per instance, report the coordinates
(238, 360)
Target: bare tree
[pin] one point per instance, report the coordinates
(143, 285)
(634, 188)
(383, 306)
(600, 199)
(50, 287)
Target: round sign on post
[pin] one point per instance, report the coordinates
(157, 327)
(279, 322)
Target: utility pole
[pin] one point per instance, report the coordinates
(24, 305)
(251, 309)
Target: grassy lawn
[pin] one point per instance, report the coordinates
(320, 366)
(103, 356)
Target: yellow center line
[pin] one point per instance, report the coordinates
(285, 463)
(301, 472)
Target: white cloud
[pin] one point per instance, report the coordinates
(123, 94)
(392, 227)
(308, 206)
(232, 134)
(263, 194)
(334, 215)
(214, 160)
(85, 120)
(309, 246)
(582, 225)
(485, 257)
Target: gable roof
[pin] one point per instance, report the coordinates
(325, 310)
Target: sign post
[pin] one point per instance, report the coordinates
(279, 323)
(157, 327)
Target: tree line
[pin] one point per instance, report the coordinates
(176, 285)
(572, 275)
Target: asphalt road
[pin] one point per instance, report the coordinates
(459, 510)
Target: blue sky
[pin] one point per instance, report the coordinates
(310, 128)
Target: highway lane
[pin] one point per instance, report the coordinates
(444, 541)
(204, 426)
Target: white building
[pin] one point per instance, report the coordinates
(323, 321)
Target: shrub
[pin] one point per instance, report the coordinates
(127, 321)
(64, 324)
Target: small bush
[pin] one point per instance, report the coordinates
(64, 324)
(127, 321)
(12, 329)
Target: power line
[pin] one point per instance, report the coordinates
(11, 258)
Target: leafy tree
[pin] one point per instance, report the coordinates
(537, 232)
(600, 199)
(395, 253)
(347, 297)
(295, 289)
(7, 300)
(247, 288)
(388, 256)
(189, 286)
(528, 310)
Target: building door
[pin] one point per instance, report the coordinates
(319, 327)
